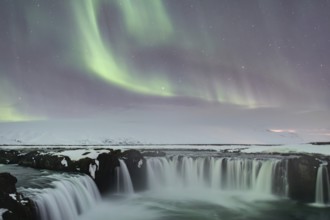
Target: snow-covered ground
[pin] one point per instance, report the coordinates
(285, 149)
(93, 151)
(81, 153)
(127, 132)
(289, 149)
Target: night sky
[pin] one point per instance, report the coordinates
(239, 59)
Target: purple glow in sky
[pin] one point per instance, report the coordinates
(211, 65)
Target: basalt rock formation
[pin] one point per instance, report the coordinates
(301, 168)
(18, 207)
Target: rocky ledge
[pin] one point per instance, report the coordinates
(13, 204)
(101, 165)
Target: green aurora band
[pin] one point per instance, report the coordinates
(98, 57)
(148, 23)
(8, 110)
(144, 25)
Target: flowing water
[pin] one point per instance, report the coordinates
(57, 196)
(124, 182)
(322, 192)
(69, 198)
(196, 188)
(178, 188)
(234, 174)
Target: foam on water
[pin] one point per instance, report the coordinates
(322, 190)
(68, 198)
(124, 182)
(233, 174)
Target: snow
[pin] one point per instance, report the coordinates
(124, 133)
(93, 151)
(289, 149)
(78, 154)
(164, 128)
(64, 162)
(2, 211)
(140, 163)
(13, 196)
(92, 170)
(97, 164)
(285, 149)
(24, 202)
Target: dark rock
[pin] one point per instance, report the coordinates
(106, 174)
(29, 160)
(136, 165)
(38, 160)
(133, 155)
(9, 215)
(302, 172)
(41, 159)
(82, 165)
(10, 156)
(18, 206)
(7, 183)
(52, 162)
(320, 143)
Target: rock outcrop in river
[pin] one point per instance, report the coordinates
(102, 165)
(17, 207)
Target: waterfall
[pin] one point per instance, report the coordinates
(261, 176)
(124, 182)
(68, 199)
(322, 191)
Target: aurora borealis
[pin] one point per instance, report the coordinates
(68, 59)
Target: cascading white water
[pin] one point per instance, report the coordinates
(124, 182)
(322, 192)
(68, 199)
(255, 175)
